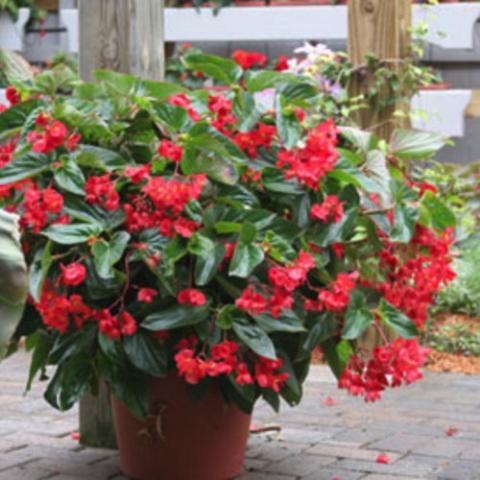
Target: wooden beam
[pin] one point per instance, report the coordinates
(382, 29)
(122, 35)
(125, 36)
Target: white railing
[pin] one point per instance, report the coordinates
(451, 26)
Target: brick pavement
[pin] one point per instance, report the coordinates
(317, 442)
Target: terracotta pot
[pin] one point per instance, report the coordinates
(182, 439)
(49, 5)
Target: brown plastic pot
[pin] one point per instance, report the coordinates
(182, 439)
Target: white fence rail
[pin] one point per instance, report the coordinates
(451, 26)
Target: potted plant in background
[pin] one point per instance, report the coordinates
(192, 248)
(13, 18)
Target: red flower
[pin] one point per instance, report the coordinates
(72, 141)
(170, 150)
(146, 295)
(52, 200)
(243, 375)
(12, 95)
(330, 209)
(128, 325)
(192, 296)
(248, 60)
(383, 458)
(310, 164)
(73, 274)
(282, 63)
(101, 190)
(138, 174)
(266, 375)
(251, 302)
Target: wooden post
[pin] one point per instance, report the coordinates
(381, 28)
(122, 35)
(126, 36)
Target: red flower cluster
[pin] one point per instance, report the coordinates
(416, 273)
(191, 296)
(248, 60)
(146, 295)
(101, 190)
(38, 206)
(337, 297)
(221, 108)
(51, 134)
(282, 63)
(114, 326)
(251, 302)
(13, 96)
(223, 361)
(330, 209)
(266, 374)
(195, 367)
(181, 100)
(311, 163)
(390, 366)
(261, 136)
(173, 194)
(73, 274)
(170, 150)
(58, 310)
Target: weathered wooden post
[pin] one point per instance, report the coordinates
(383, 29)
(126, 36)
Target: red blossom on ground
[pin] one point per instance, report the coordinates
(383, 458)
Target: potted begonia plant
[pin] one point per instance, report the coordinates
(192, 248)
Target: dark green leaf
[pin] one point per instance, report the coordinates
(175, 317)
(146, 354)
(72, 234)
(25, 166)
(357, 318)
(245, 259)
(397, 320)
(255, 338)
(107, 254)
(70, 177)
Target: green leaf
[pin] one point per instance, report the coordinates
(73, 343)
(324, 327)
(173, 118)
(98, 157)
(441, 217)
(274, 180)
(264, 79)
(176, 316)
(17, 115)
(107, 254)
(337, 355)
(120, 82)
(25, 166)
(416, 145)
(397, 320)
(161, 90)
(39, 271)
(209, 257)
(70, 177)
(42, 345)
(224, 70)
(288, 125)
(245, 259)
(288, 321)
(70, 382)
(405, 220)
(146, 354)
(72, 234)
(255, 338)
(360, 139)
(357, 318)
(14, 283)
(206, 154)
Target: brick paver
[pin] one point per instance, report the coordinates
(316, 441)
